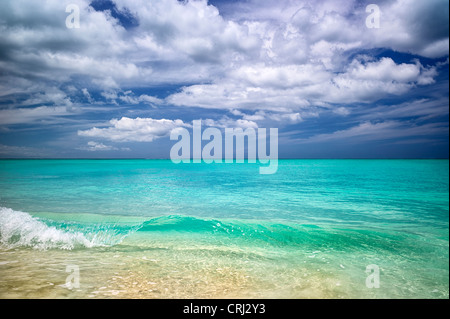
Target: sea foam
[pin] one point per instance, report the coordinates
(20, 229)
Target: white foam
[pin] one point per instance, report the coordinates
(21, 229)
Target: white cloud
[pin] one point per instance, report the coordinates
(29, 115)
(293, 88)
(368, 82)
(424, 109)
(261, 116)
(134, 130)
(418, 27)
(278, 44)
(87, 95)
(280, 62)
(148, 129)
(150, 99)
(384, 70)
(370, 131)
(129, 98)
(289, 118)
(226, 122)
(93, 146)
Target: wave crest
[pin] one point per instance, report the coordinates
(20, 229)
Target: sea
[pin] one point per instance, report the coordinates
(140, 228)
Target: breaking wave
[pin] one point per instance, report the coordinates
(20, 229)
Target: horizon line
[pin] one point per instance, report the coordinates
(284, 158)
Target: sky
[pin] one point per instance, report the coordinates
(334, 83)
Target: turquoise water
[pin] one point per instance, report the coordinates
(154, 229)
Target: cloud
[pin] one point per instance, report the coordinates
(184, 36)
(87, 95)
(129, 98)
(370, 131)
(93, 146)
(180, 42)
(262, 116)
(8, 151)
(293, 87)
(225, 122)
(371, 81)
(272, 57)
(422, 109)
(134, 130)
(30, 115)
(384, 70)
(252, 63)
(150, 100)
(417, 27)
(148, 129)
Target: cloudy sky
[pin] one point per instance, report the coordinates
(136, 69)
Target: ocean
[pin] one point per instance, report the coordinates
(155, 229)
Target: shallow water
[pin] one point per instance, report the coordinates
(153, 229)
